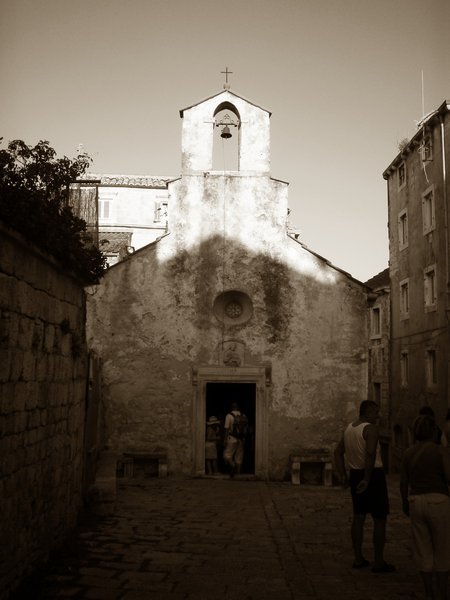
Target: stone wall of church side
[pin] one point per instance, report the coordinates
(43, 371)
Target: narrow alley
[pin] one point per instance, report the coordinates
(218, 538)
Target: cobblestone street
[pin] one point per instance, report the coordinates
(211, 538)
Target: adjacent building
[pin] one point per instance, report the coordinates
(379, 323)
(418, 194)
(131, 210)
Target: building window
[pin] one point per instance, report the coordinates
(404, 299)
(104, 209)
(430, 295)
(404, 369)
(431, 370)
(377, 393)
(376, 322)
(401, 175)
(426, 149)
(428, 210)
(161, 211)
(403, 229)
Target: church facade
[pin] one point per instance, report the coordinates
(228, 307)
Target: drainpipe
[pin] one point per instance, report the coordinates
(447, 295)
(444, 197)
(390, 338)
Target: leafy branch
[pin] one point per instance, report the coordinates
(34, 200)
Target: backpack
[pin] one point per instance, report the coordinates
(239, 426)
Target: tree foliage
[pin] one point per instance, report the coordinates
(34, 200)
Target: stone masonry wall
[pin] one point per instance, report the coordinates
(43, 371)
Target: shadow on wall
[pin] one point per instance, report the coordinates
(281, 286)
(152, 319)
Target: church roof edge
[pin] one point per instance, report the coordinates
(219, 94)
(279, 180)
(138, 251)
(327, 262)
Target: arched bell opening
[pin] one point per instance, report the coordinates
(226, 124)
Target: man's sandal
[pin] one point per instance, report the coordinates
(385, 568)
(361, 565)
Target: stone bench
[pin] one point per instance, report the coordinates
(324, 458)
(131, 459)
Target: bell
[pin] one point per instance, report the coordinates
(226, 133)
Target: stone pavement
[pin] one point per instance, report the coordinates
(220, 538)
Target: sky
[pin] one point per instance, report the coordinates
(342, 79)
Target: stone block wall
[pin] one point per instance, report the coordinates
(43, 374)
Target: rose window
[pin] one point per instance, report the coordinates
(233, 310)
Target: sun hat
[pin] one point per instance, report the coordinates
(212, 421)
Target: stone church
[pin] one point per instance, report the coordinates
(227, 306)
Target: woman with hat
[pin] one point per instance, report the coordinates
(424, 480)
(212, 437)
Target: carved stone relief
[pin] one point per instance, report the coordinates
(233, 353)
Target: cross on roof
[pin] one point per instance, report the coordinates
(226, 85)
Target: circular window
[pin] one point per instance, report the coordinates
(233, 310)
(233, 307)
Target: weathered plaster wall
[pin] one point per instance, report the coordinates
(197, 139)
(248, 210)
(43, 370)
(151, 320)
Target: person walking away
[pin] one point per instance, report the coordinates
(427, 410)
(445, 438)
(236, 425)
(424, 478)
(212, 438)
(360, 448)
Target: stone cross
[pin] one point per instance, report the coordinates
(226, 85)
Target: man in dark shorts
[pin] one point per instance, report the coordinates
(361, 448)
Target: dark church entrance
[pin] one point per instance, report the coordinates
(219, 397)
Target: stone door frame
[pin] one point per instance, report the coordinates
(260, 376)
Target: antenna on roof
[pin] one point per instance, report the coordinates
(423, 97)
(425, 145)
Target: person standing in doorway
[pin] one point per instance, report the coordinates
(424, 479)
(236, 425)
(361, 449)
(212, 439)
